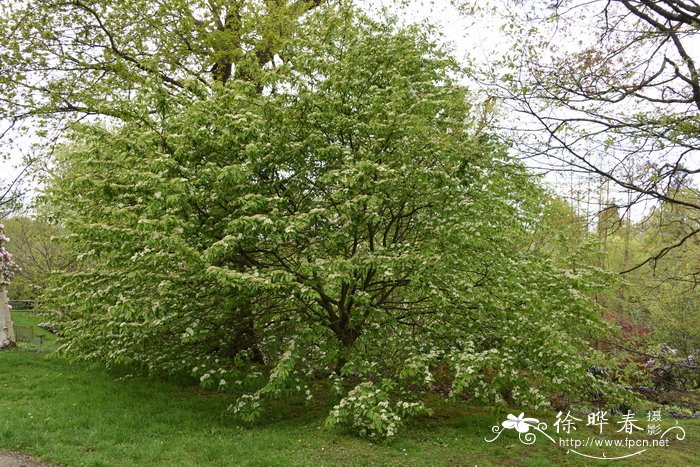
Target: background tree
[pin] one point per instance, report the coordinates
(93, 57)
(120, 61)
(608, 88)
(7, 269)
(38, 253)
(670, 292)
(656, 345)
(11, 197)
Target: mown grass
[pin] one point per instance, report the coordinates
(43, 340)
(74, 415)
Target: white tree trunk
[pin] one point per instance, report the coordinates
(7, 330)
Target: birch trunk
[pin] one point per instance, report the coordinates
(7, 330)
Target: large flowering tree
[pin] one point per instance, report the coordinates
(352, 222)
(7, 270)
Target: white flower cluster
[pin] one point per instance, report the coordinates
(247, 407)
(368, 411)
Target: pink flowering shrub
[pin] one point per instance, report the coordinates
(7, 265)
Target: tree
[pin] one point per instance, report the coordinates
(7, 269)
(80, 58)
(354, 222)
(655, 305)
(608, 88)
(117, 61)
(670, 292)
(10, 197)
(38, 254)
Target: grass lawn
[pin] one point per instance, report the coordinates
(28, 319)
(71, 414)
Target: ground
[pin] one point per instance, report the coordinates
(71, 414)
(16, 459)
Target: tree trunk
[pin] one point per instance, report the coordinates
(7, 330)
(346, 338)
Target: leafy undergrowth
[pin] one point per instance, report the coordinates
(74, 415)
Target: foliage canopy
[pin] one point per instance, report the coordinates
(345, 218)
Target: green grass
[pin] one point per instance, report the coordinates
(30, 319)
(75, 415)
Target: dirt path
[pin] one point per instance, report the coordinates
(17, 459)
